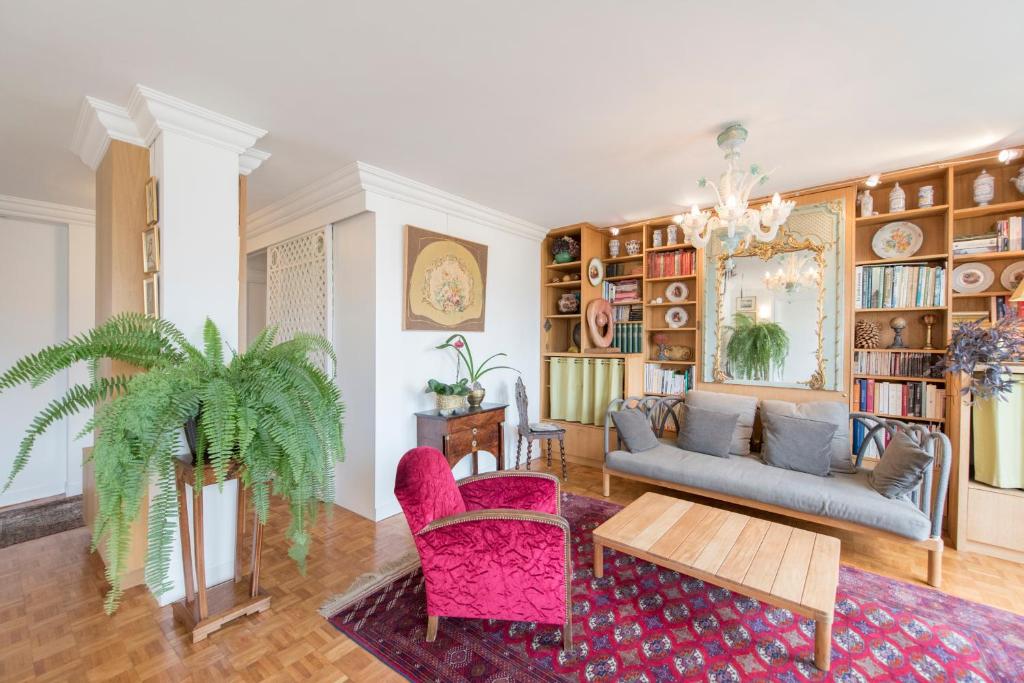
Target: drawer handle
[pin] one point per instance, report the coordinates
(474, 430)
(474, 443)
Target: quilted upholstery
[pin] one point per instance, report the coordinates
(492, 548)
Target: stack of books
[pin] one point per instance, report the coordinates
(906, 399)
(860, 432)
(1005, 235)
(628, 337)
(662, 381)
(624, 292)
(895, 364)
(1010, 233)
(631, 313)
(900, 286)
(671, 263)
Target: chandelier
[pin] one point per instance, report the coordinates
(732, 212)
(792, 275)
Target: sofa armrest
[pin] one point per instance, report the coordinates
(935, 443)
(511, 489)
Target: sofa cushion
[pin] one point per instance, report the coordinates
(846, 497)
(706, 431)
(743, 406)
(835, 412)
(901, 469)
(796, 443)
(634, 428)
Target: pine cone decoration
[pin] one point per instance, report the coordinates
(867, 335)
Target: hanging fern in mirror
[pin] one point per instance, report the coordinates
(271, 411)
(756, 350)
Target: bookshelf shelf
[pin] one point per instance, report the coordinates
(671, 303)
(671, 362)
(634, 302)
(671, 329)
(571, 265)
(990, 210)
(982, 295)
(571, 284)
(897, 261)
(899, 378)
(563, 316)
(617, 278)
(668, 247)
(910, 214)
(935, 351)
(670, 277)
(911, 418)
(623, 259)
(989, 256)
(897, 310)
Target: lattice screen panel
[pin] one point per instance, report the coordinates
(299, 297)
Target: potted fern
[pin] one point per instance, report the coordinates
(272, 411)
(756, 349)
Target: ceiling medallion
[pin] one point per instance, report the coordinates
(742, 224)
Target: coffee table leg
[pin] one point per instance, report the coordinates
(823, 644)
(598, 560)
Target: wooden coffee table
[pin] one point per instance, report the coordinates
(778, 564)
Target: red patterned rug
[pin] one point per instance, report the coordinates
(643, 623)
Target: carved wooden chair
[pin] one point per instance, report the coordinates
(532, 431)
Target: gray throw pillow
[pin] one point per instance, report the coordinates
(834, 412)
(635, 430)
(706, 431)
(744, 406)
(795, 443)
(901, 468)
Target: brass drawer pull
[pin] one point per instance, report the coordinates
(474, 430)
(474, 443)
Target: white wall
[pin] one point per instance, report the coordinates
(405, 360)
(34, 308)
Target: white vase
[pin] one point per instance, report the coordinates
(613, 248)
(672, 235)
(897, 199)
(1018, 180)
(984, 188)
(867, 203)
(657, 238)
(925, 197)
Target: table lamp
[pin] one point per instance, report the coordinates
(1018, 294)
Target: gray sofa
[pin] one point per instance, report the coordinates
(840, 500)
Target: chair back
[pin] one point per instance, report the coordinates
(426, 488)
(523, 407)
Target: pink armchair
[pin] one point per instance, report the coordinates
(492, 546)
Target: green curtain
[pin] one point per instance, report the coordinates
(582, 388)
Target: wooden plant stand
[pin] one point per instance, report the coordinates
(205, 610)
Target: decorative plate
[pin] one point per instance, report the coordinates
(676, 316)
(897, 240)
(1012, 274)
(677, 292)
(595, 271)
(971, 278)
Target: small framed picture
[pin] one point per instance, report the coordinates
(746, 304)
(151, 295)
(152, 208)
(151, 250)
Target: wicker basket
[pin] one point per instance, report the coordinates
(450, 403)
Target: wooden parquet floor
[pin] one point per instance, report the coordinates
(52, 627)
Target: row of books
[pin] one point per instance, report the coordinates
(628, 337)
(900, 286)
(658, 380)
(626, 291)
(860, 432)
(907, 399)
(616, 269)
(897, 364)
(1005, 235)
(671, 263)
(633, 313)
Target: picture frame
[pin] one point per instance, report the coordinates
(595, 271)
(746, 304)
(151, 250)
(445, 285)
(151, 295)
(152, 202)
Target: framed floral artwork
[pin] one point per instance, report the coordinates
(445, 282)
(151, 250)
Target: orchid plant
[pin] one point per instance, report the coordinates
(475, 372)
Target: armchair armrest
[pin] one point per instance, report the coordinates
(503, 563)
(536, 491)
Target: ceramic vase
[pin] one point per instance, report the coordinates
(984, 188)
(1018, 180)
(925, 197)
(672, 235)
(633, 247)
(867, 203)
(897, 199)
(613, 248)
(656, 238)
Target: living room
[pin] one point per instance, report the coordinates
(479, 342)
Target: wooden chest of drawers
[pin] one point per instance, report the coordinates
(464, 432)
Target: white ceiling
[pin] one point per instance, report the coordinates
(553, 111)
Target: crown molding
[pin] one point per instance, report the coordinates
(150, 112)
(358, 177)
(250, 160)
(46, 212)
(154, 112)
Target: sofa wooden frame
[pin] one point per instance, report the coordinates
(930, 497)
